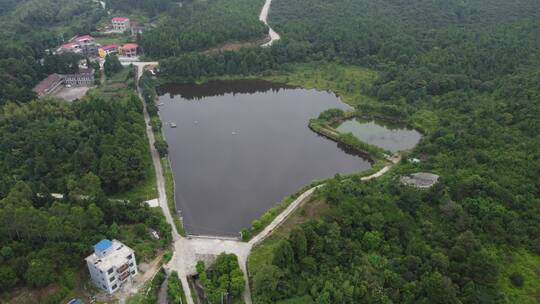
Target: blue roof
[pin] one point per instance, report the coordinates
(76, 301)
(102, 245)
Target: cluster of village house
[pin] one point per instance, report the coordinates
(87, 46)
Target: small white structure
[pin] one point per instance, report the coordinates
(152, 202)
(111, 265)
(414, 160)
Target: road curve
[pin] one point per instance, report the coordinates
(264, 18)
(282, 216)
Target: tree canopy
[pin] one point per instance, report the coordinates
(201, 25)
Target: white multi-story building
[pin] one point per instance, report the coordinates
(111, 265)
(121, 24)
(83, 78)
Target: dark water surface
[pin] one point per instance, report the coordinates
(242, 146)
(387, 136)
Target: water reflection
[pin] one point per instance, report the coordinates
(383, 134)
(220, 88)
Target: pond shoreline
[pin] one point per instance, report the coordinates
(378, 160)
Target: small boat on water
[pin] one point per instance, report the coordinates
(160, 104)
(173, 125)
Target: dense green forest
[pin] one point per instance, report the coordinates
(223, 279)
(95, 136)
(149, 7)
(204, 24)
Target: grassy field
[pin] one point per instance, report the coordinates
(348, 82)
(169, 188)
(118, 85)
(528, 265)
(115, 38)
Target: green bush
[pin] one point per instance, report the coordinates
(161, 146)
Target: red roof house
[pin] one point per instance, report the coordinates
(83, 38)
(110, 47)
(129, 49)
(70, 45)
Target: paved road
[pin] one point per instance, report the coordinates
(264, 18)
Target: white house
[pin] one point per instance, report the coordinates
(111, 265)
(121, 24)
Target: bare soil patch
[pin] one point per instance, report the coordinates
(235, 46)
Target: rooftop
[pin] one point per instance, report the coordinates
(420, 179)
(102, 245)
(129, 46)
(110, 46)
(70, 45)
(116, 256)
(82, 38)
(46, 84)
(120, 19)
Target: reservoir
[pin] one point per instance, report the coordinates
(385, 135)
(240, 147)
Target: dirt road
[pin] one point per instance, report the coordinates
(264, 18)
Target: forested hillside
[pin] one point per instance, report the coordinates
(201, 25)
(149, 7)
(94, 136)
(87, 151)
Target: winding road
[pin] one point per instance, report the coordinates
(264, 18)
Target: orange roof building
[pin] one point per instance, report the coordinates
(129, 50)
